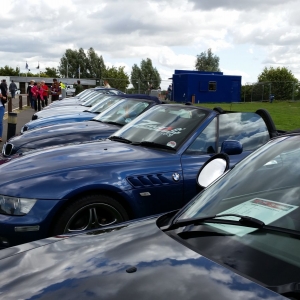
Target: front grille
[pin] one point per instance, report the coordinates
(149, 180)
(7, 149)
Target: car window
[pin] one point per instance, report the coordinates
(107, 101)
(206, 141)
(247, 128)
(123, 113)
(164, 124)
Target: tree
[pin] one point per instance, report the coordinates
(8, 71)
(95, 64)
(90, 65)
(116, 77)
(50, 72)
(207, 62)
(141, 77)
(278, 81)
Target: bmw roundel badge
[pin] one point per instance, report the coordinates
(176, 176)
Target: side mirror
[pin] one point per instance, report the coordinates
(212, 169)
(231, 147)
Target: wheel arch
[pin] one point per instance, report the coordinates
(74, 195)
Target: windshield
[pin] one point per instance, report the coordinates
(124, 111)
(265, 186)
(94, 99)
(83, 93)
(88, 96)
(106, 102)
(167, 125)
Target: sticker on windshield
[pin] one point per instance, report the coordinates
(155, 126)
(171, 144)
(264, 210)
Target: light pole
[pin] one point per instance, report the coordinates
(139, 82)
(67, 68)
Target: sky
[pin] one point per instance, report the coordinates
(247, 35)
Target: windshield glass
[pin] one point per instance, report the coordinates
(164, 124)
(94, 99)
(266, 186)
(83, 93)
(105, 102)
(88, 96)
(124, 111)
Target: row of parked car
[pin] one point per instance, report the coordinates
(115, 196)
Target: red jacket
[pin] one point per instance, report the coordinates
(37, 91)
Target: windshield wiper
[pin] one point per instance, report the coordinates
(153, 145)
(287, 289)
(119, 139)
(113, 123)
(244, 221)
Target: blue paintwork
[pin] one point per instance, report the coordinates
(93, 266)
(59, 174)
(62, 118)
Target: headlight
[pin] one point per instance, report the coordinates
(15, 206)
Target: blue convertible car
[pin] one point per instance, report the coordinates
(101, 126)
(57, 117)
(237, 240)
(149, 166)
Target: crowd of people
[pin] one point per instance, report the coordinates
(38, 93)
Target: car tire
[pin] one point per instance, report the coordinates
(89, 212)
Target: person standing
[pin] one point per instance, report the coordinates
(29, 93)
(159, 92)
(55, 90)
(106, 84)
(45, 92)
(3, 100)
(34, 96)
(37, 93)
(13, 88)
(78, 88)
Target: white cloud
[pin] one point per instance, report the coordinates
(171, 33)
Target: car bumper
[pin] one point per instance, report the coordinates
(15, 230)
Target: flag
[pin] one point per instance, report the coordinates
(26, 66)
(38, 65)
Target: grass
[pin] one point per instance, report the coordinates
(285, 114)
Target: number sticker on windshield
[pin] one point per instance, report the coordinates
(264, 210)
(171, 144)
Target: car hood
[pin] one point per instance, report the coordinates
(60, 110)
(77, 164)
(98, 264)
(62, 129)
(63, 117)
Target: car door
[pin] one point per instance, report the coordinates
(247, 128)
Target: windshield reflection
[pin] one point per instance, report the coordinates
(272, 173)
(163, 124)
(107, 101)
(123, 112)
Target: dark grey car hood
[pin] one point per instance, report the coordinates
(95, 265)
